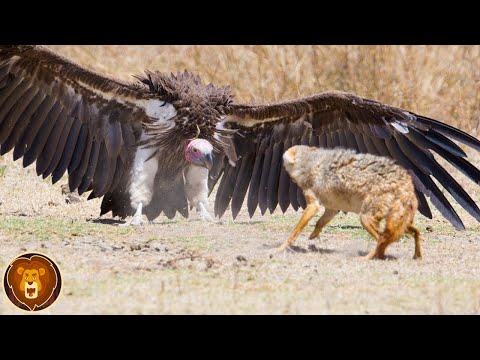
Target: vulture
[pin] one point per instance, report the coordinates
(163, 142)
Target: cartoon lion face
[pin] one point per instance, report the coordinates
(32, 281)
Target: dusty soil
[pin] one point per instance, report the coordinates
(184, 266)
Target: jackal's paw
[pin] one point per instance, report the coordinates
(313, 235)
(281, 250)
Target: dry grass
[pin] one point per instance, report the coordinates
(439, 81)
(185, 266)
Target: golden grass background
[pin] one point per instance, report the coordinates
(441, 82)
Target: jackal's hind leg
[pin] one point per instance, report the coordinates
(370, 224)
(412, 229)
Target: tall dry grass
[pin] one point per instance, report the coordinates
(442, 82)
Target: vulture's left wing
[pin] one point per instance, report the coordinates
(263, 132)
(66, 117)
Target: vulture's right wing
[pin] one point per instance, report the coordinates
(263, 132)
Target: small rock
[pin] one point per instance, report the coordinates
(241, 258)
(157, 249)
(117, 247)
(72, 199)
(43, 246)
(429, 228)
(65, 189)
(70, 293)
(66, 242)
(23, 249)
(395, 272)
(135, 247)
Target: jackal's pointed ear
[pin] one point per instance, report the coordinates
(290, 155)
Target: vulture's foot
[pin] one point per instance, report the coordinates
(205, 216)
(136, 220)
(202, 212)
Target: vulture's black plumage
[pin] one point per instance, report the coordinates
(110, 135)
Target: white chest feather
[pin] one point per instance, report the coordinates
(143, 170)
(143, 176)
(196, 184)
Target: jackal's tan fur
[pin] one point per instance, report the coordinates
(372, 186)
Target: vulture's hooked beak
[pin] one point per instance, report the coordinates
(208, 161)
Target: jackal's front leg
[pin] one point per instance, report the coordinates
(327, 216)
(312, 208)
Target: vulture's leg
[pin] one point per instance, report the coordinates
(141, 185)
(196, 189)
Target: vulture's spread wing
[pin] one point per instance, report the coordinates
(66, 117)
(264, 132)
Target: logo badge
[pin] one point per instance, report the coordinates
(32, 282)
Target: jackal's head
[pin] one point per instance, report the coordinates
(289, 158)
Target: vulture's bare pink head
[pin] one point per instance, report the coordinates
(199, 152)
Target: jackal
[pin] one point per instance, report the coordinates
(374, 187)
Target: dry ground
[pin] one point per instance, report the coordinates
(186, 266)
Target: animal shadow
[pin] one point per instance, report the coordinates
(248, 222)
(387, 257)
(311, 249)
(106, 221)
(346, 227)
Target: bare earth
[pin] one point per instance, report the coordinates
(184, 266)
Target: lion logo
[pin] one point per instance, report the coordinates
(32, 282)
